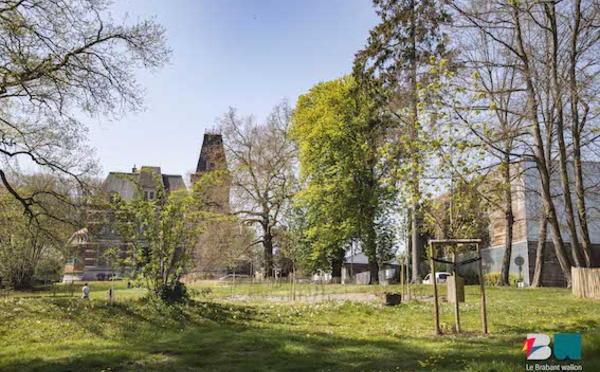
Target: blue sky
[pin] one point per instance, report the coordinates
(249, 54)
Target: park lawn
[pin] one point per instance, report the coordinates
(218, 290)
(99, 291)
(65, 334)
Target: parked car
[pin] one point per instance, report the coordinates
(439, 277)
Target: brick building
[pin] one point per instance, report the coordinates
(90, 243)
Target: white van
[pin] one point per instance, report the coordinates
(439, 277)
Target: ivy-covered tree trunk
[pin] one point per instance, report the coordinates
(373, 272)
(337, 262)
(509, 219)
(370, 249)
(268, 254)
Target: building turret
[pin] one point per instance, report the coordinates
(212, 158)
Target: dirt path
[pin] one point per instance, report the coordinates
(361, 297)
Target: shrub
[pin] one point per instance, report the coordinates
(48, 270)
(471, 277)
(494, 279)
(176, 293)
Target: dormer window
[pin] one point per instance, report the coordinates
(148, 195)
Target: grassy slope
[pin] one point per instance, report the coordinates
(65, 334)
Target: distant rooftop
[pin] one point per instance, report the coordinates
(125, 183)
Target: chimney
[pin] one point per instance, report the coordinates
(134, 169)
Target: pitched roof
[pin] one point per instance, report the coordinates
(361, 258)
(122, 183)
(149, 176)
(173, 182)
(125, 184)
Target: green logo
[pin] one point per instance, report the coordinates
(567, 345)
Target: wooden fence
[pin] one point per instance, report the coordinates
(586, 282)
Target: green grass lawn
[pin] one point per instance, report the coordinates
(42, 332)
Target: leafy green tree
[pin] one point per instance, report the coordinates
(25, 242)
(292, 244)
(160, 234)
(338, 134)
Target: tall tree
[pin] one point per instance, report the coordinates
(261, 159)
(339, 133)
(393, 66)
(582, 66)
(498, 129)
(551, 20)
(59, 59)
(519, 29)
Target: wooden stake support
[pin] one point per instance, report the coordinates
(432, 259)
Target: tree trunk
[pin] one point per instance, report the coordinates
(268, 254)
(581, 209)
(374, 272)
(576, 127)
(532, 115)
(510, 219)
(415, 244)
(409, 249)
(23, 280)
(562, 147)
(414, 133)
(539, 253)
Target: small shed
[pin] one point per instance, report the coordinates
(356, 269)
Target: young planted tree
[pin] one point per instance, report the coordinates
(339, 136)
(261, 159)
(59, 59)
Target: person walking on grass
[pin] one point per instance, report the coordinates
(86, 292)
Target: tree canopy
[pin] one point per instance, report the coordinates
(60, 60)
(338, 131)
